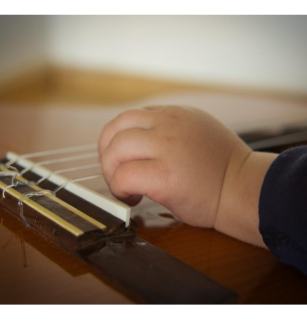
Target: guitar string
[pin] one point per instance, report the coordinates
(68, 150)
(17, 184)
(81, 148)
(28, 196)
(61, 160)
(16, 173)
(8, 173)
(76, 180)
(48, 192)
(5, 173)
(12, 174)
(27, 183)
(84, 167)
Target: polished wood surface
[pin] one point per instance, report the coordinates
(34, 270)
(142, 271)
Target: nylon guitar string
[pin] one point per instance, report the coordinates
(15, 173)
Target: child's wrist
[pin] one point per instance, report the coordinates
(238, 210)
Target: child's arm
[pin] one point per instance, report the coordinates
(189, 162)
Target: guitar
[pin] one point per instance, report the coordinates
(35, 270)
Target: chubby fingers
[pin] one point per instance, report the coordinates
(138, 178)
(128, 145)
(137, 118)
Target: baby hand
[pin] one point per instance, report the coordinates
(176, 156)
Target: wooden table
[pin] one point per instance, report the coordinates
(34, 270)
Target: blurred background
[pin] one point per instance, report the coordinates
(115, 59)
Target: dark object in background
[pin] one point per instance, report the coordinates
(268, 142)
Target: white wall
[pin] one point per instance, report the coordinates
(23, 44)
(267, 52)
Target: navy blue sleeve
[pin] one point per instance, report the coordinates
(283, 208)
